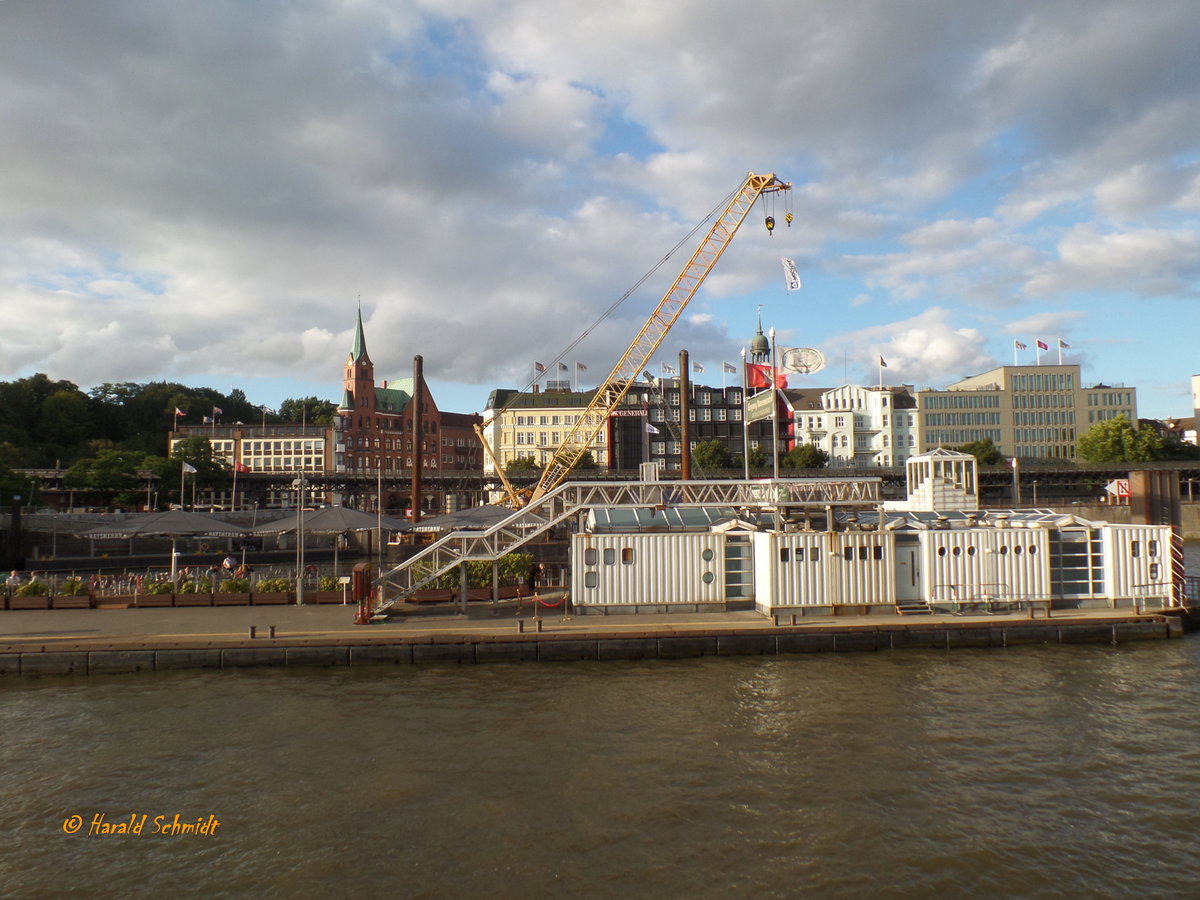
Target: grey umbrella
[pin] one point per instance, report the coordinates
(330, 520)
(175, 523)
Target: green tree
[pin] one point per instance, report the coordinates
(758, 457)
(587, 462)
(1117, 441)
(307, 409)
(985, 451)
(521, 465)
(805, 456)
(712, 455)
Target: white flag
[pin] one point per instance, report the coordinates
(729, 367)
(189, 468)
(789, 274)
(651, 429)
(668, 370)
(697, 368)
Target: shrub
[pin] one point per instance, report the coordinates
(196, 586)
(73, 587)
(33, 589)
(273, 586)
(159, 587)
(329, 583)
(233, 586)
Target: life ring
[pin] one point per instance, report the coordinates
(204, 548)
(310, 570)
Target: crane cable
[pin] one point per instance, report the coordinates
(686, 239)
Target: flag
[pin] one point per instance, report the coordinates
(581, 367)
(563, 367)
(789, 273)
(650, 429)
(697, 368)
(217, 411)
(1042, 345)
(760, 376)
(882, 363)
(668, 370)
(179, 412)
(206, 420)
(189, 468)
(538, 367)
(729, 368)
(241, 467)
(1063, 345)
(1017, 345)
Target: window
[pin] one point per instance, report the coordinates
(610, 556)
(589, 556)
(626, 556)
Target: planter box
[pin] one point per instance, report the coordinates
(79, 601)
(325, 596)
(193, 599)
(32, 602)
(147, 600)
(283, 598)
(220, 599)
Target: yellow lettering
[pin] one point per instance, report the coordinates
(158, 825)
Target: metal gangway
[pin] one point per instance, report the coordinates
(577, 497)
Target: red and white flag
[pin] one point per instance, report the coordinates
(1042, 345)
(179, 412)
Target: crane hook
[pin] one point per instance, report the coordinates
(770, 224)
(787, 217)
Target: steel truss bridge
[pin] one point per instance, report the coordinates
(575, 498)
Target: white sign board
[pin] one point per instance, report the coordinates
(1118, 487)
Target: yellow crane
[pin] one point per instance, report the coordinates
(613, 388)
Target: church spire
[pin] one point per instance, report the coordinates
(359, 351)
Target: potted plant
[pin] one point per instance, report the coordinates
(195, 592)
(74, 593)
(156, 593)
(232, 592)
(272, 592)
(33, 594)
(329, 590)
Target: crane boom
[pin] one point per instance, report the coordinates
(616, 385)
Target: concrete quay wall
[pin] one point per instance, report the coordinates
(134, 657)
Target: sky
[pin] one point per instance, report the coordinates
(209, 192)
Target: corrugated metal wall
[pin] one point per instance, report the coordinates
(640, 569)
(824, 569)
(1137, 561)
(985, 564)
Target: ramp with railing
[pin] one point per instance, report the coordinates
(576, 498)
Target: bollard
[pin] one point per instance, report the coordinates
(521, 627)
(251, 632)
(537, 625)
(271, 632)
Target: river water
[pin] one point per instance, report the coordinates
(1028, 771)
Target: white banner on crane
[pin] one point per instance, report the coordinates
(789, 273)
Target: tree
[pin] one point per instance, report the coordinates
(307, 409)
(521, 465)
(1117, 441)
(712, 455)
(587, 461)
(985, 451)
(111, 471)
(758, 457)
(805, 456)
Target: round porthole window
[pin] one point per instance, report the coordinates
(707, 578)
(1004, 550)
(970, 551)
(941, 551)
(1032, 551)
(958, 551)
(1016, 551)
(707, 555)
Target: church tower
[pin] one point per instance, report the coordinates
(358, 383)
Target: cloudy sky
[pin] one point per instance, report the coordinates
(205, 192)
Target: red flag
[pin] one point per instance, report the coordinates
(241, 467)
(179, 412)
(1042, 345)
(760, 376)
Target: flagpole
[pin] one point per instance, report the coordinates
(745, 421)
(1037, 351)
(1060, 351)
(1014, 354)
(881, 373)
(774, 408)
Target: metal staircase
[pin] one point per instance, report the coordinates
(576, 498)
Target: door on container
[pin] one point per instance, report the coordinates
(739, 567)
(908, 568)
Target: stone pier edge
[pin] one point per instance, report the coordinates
(125, 657)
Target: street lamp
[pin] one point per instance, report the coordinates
(299, 485)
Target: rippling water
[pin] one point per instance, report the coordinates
(1019, 772)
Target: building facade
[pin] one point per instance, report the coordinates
(1027, 411)
(859, 427)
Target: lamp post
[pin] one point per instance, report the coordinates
(774, 409)
(745, 420)
(299, 483)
